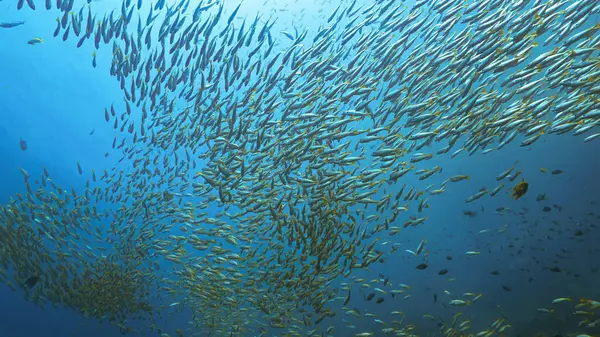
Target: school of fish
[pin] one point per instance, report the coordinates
(303, 142)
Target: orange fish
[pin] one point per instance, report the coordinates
(520, 189)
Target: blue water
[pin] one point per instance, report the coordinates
(52, 97)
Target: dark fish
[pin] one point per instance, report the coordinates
(443, 272)
(23, 144)
(547, 209)
(66, 33)
(31, 4)
(422, 266)
(470, 214)
(507, 288)
(555, 172)
(449, 258)
(57, 30)
(555, 269)
(379, 300)
(11, 24)
(434, 298)
(91, 133)
(32, 281)
(370, 296)
(232, 16)
(495, 272)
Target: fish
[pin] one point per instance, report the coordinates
(561, 299)
(31, 281)
(35, 40)
(11, 24)
(519, 190)
(262, 145)
(422, 266)
(23, 144)
(459, 303)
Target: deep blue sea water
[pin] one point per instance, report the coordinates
(52, 97)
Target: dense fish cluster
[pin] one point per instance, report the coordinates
(303, 142)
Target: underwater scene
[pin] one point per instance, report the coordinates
(353, 168)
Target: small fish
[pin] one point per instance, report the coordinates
(443, 272)
(520, 189)
(23, 145)
(421, 246)
(504, 174)
(347, 299)
(458, 178)
(459, 303)
(32, 281)
(470, 214)
(35, 40)
(422, 266)
(555, 172)
(11, 24)
(561, 299)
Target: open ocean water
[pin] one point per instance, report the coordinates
(299, 168)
